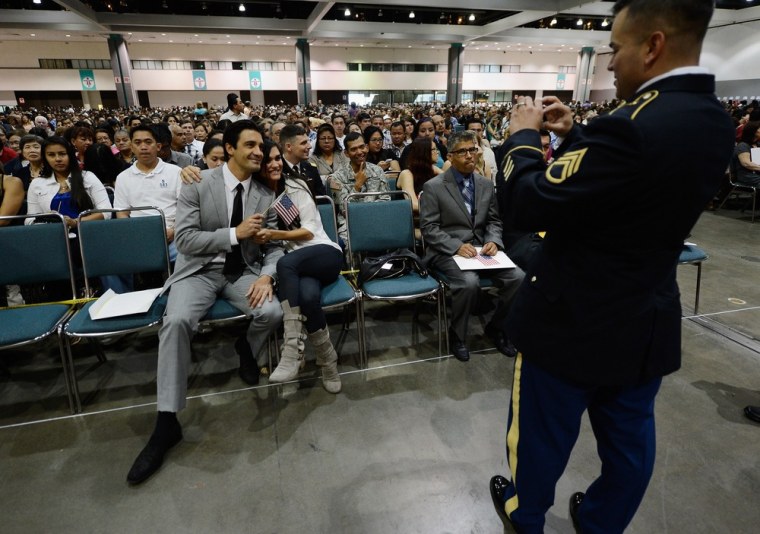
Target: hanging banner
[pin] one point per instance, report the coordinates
(88, 80)
(199, 80)
(255, 80)
(560, 81)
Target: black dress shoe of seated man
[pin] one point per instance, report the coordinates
(753, 413)
(500, 341)
(166, 435)
(458, 348)
(498, 487)
(249, 368)
(575, 502)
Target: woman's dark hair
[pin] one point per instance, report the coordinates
(748, 134)
(79, 196)
(79, 131)
(259, 176)
(373, 157)
(39, 132)
(420, 163)
(419, 123)
(100, 160)
(329, 129)
(209, 145)
(223, 124)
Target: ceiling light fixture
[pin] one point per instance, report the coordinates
(411, 14)
(579, 22)
(241, 8)
(605, 23)
(553, 22)
(37, 2)
(380, 13)
(471, 18)
(347, 13)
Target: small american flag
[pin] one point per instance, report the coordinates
(286, 209)
(487, 260)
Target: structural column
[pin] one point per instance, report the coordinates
(122, 71)
(585, 74)
(456, 73)
(303, 71)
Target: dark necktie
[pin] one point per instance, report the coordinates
(296, 169)
(233, 262)
(467, 194)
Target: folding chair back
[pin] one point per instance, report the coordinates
(379, 225)
(124, 246)
(36, 253)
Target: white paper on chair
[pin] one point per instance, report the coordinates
(112, 304)
(754, 155)
(499, 261)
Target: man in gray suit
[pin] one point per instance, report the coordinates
(216, 219)
(458, 212)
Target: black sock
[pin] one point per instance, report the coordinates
(166, 429)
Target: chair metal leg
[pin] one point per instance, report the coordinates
(754, 198)
(727, 197)
(699, 281)
(361, 328)
(69, 373)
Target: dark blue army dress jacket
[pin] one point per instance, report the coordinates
(600, 305)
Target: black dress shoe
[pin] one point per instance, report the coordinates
(498, 486)
(249, 369)
(152, 456)
(458, 348)
(753, 413)
(575, 502)
(500, 341)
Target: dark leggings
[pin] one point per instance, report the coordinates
(301, 276)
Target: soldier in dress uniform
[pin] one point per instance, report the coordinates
(597, 321)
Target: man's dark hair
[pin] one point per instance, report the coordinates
(150, 129)
(363, 117)
(351, 137)
(396, 124)
(338, 116)
(233, 131)
(232, 99)
(289, 133)
(749, 131)
(683, 17)
(161, 132)
(470, 120)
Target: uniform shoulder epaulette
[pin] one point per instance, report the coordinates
(635, 107)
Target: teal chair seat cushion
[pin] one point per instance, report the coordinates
(222, 310)
(27, 323)
(691, 254)
(339, 292)
(81, 324)
(409, 285)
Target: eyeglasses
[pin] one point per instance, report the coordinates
(462, 151)
(327, 139)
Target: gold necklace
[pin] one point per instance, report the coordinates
(63, 187)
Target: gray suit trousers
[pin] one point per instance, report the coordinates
(189, 300)
(465, 289)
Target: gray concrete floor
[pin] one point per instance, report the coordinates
(407, 447)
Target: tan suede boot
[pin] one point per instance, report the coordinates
(327, 359)
(292, 345)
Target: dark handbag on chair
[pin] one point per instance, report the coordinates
(391, 265)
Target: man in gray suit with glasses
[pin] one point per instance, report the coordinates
(458, 212)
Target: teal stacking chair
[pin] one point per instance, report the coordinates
(117, 247)
(693, 255)
(376, 227)
(36, 254)
(339, 294)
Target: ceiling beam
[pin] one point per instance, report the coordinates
(84, 11)
(458, 5)
(317, 14)
(190, 23)
(330, 29)
(514, 21)
(47, 20)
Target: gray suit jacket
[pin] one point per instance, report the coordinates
(203, 227)
(444, 220)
